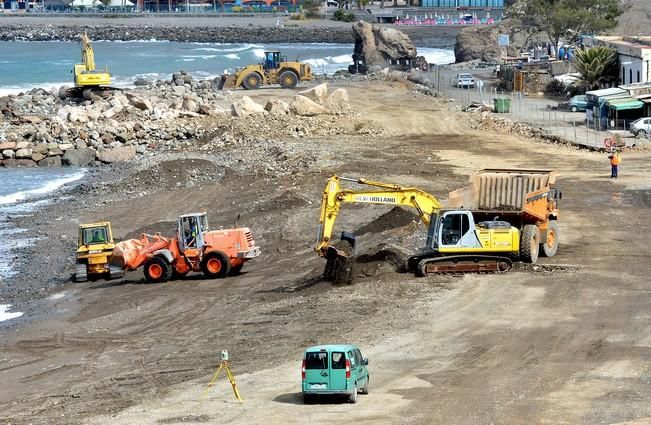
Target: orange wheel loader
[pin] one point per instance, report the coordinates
(215, 253)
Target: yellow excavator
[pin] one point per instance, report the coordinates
(458, 240)
(89, 80)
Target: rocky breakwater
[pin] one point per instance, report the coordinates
(216, 34)
(47, 129)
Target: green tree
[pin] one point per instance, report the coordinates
(597, 65)
(567, 19)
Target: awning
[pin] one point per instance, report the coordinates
(624, 104)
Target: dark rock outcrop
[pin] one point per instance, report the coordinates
(480, 42)
(375, 46)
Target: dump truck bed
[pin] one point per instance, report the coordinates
(506, 192)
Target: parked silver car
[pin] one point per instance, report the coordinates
(466, 81)
(641, 127)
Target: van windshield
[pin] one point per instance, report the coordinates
(316, 360)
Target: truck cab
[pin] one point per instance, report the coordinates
(94, 248)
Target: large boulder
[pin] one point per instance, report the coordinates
(317, 93)
(277, 107)
(245, 106)
(305, 107)
(139, 102)
(8, 153)
(117, 154)
(79, 157)
(7, 145)
(10, 163)
(24, 153)
(375, 45)
(51, 161)
(479, 42)
(338, 102)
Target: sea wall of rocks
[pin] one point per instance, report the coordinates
(50, 129)
(251, 34)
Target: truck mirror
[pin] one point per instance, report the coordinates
(365, 362)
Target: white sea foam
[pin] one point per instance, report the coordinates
(4, 315)
(437, 56)
(232, 56)
(48, 187)
(259, 53)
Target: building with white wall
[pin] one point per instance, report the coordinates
(634, 56)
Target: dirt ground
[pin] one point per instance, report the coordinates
(564, 344)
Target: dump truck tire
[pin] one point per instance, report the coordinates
(215, 265)
(288, 79)
(529, 243)
(157, 269)
(329, 269)
(549, 247)
(252, 81)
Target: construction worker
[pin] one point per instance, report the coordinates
(615, 160)
(98, 237)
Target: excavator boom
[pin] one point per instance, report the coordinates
(385, 194)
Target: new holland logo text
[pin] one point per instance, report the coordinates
(376, 199)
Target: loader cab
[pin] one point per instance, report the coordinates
(272, 60)
(95, 234)
(190, 230)
(453, 229)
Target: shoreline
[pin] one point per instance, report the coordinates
(204, 30)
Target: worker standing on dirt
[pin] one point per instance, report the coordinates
(615, 160)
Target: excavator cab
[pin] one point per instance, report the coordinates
(190, 230)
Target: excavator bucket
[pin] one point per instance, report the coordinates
(227, 82)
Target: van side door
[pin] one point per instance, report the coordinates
(362, 369)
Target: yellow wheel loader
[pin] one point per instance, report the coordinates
(94, 249)
(275, 69)
(467, 239)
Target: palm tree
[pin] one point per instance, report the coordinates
(597, 65)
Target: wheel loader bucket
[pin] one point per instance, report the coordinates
(227, 82)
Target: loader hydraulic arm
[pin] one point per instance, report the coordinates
(386, 194)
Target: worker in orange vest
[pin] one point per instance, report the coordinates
(615, 160)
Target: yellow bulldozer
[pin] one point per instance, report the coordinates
(275, 69)
(94, 249)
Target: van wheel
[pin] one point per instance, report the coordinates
(365, 388)
(574, 109)
(353, 396)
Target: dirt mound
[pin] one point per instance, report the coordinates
(181, 172)
(397, 217)
(165, 228)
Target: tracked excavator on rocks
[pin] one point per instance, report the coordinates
(89, 81)
(504, 215)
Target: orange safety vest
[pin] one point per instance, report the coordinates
(615, 159)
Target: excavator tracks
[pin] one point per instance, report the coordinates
(464, 264)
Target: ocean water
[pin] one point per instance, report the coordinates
(22, 190)
(25, 65)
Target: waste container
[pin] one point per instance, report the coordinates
(502, 105)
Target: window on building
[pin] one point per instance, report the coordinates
(623, 75)
(630, 75)
(638, 76)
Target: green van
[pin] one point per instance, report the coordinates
(334, 369)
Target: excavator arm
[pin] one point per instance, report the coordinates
(87, 53)
(385, 194)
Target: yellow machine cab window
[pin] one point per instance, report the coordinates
(95, 235)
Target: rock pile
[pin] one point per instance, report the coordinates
(48, 130)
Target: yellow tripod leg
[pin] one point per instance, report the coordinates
(212, 381)
(231, 378)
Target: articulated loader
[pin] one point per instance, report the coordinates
(504, 215)
(275, 69)
(195, 248)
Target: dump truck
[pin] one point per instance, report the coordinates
(215, 253)
(527, 199)
(504, 215)
(275, 69)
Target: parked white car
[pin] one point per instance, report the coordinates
(466, 81)
(641, 127)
